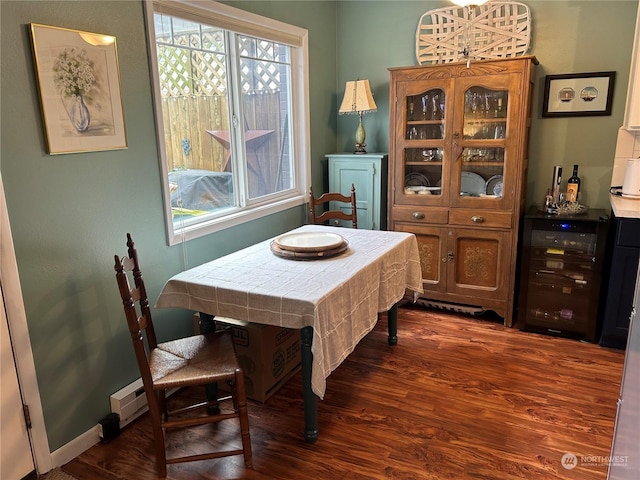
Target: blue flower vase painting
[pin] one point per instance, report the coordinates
(75, 78)
(79, 114)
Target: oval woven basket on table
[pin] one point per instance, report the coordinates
(497, 29)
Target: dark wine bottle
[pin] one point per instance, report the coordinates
(573, 186)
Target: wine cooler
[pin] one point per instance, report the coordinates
(561, 271)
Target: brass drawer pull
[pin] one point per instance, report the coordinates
(477, 219)
(418, 215)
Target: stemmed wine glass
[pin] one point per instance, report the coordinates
(436, 113)
(474, 104)
(425, 106)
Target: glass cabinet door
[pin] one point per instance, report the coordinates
(482, 140)
(423, 147)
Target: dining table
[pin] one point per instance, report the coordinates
(333, 295)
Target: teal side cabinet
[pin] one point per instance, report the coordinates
(368, 173)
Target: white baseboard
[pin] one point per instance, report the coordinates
(81, 443)
(75, 447)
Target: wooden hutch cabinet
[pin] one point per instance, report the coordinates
(457, 175)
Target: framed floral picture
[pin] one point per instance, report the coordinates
(79, 84)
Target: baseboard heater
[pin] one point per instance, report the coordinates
(130, 402)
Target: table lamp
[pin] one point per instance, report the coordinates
(358, 99)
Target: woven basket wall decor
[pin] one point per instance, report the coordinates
(497, 29)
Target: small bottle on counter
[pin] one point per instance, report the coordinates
(548, 201)
(573, 186)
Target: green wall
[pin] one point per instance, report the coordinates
(568, 37)
(70, 213)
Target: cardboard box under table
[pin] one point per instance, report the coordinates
(269, 355)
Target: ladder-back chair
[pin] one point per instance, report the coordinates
(190, 361)
(335, 215)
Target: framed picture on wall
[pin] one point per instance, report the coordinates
(578, 94)
(79, 84)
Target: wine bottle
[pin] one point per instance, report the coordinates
(573, 186)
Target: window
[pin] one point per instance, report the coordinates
(231, 97)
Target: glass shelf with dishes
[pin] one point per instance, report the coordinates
(418, 156)
(483, 156)
(485, 114)
(482, 172)
(423, 170)
(427, 107)
(423, 150)
(425, 115)
(425, 131)
(426, 180)
(486, 182)
(484, 133)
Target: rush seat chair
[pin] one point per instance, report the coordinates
(185, 362)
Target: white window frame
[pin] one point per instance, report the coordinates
(230, 18)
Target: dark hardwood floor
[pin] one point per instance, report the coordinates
(457, 398)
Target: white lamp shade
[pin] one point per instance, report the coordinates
(357, 98)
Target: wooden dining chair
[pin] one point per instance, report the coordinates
(195, 360)
(334, 215)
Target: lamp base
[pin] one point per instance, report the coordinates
(360, 148)
(360, 136)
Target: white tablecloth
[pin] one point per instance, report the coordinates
(339, 297)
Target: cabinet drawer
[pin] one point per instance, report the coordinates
(421, 214)
(481, 218)
(628, 232)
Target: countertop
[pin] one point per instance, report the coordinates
(625, 207)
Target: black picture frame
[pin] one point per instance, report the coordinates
(578, 94)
